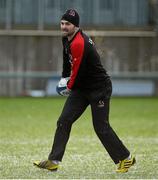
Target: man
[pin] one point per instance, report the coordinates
(89, 84)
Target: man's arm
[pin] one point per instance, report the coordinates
(66, 64)
(77, 50)
(62, 84)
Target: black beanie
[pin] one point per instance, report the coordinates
(72, 16)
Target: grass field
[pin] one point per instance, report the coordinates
(27, 127)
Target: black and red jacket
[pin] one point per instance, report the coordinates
(81, 63)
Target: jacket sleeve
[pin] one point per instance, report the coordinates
(66, 64)
(77, 50)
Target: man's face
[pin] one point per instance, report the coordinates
(67, 28)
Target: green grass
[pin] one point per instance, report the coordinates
(27, 128)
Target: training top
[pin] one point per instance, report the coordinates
(81, 63)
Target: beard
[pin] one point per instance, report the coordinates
(66, 33)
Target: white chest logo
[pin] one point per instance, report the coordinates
(90, 41)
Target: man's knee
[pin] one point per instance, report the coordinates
(64, 123)
(102, 128)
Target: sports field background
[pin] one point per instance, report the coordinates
(27, 127)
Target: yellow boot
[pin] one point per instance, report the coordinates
(47, 164)
(125, 164)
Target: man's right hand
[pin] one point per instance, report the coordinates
(63, 82)
(62, 87)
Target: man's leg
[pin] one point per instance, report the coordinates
(75, 105)
(113, 145)
(118, 152)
